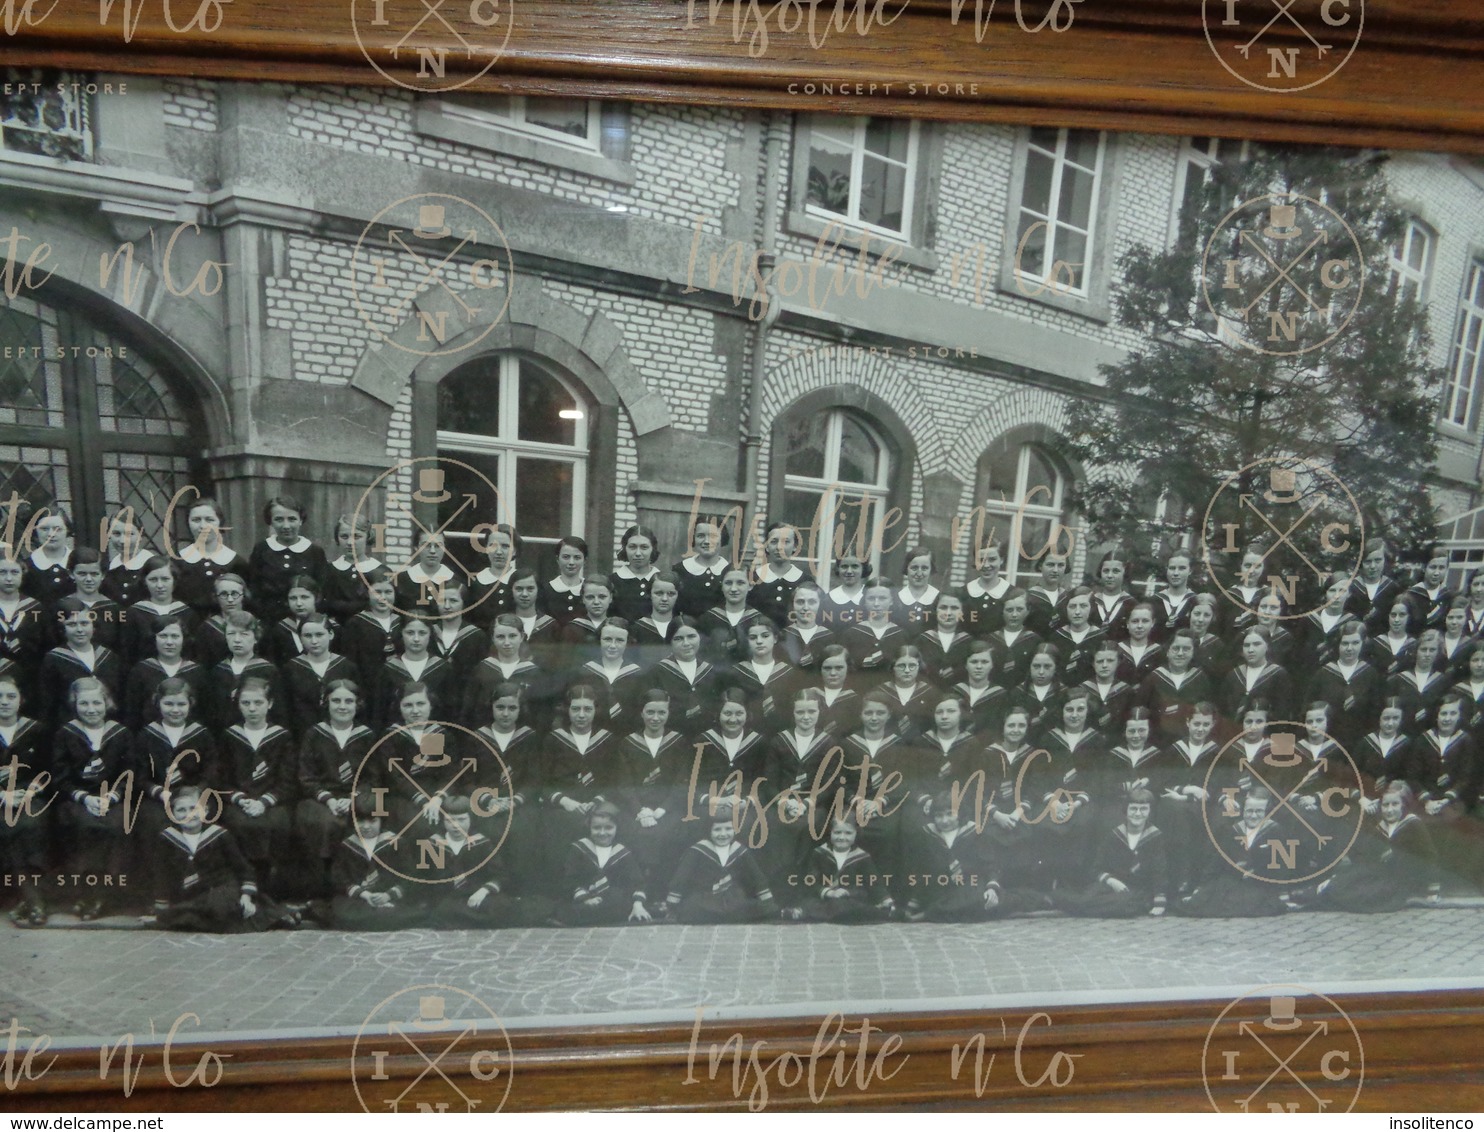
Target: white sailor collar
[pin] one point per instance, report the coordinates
(904, 595)
(298, 547)
(137, 562)
(976, 588)
(418, 574)
(764, 573)
(365, 565)
(840, 597)
(692, 566)
(486, 577)
(562, 586)
(222, 555)
(626, 572)
(42, 562)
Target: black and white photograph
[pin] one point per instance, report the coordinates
(636, 561)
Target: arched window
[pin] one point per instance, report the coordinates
(837, 476)
(1023, 488)
(525, 430)
(90, 425)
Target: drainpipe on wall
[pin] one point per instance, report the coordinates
(773, 137)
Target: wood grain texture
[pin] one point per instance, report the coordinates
(1416, 80)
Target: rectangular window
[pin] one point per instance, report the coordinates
(575, 122)
(863, 171)
(1198, 156)
(1058, 208)
(44, 113)
(1409, 260)
(1463, 376)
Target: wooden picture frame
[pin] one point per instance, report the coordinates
(1415, 81)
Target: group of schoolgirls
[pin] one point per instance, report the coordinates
(384, 748)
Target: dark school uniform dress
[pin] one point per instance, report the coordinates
(538, 688)
(1140, 867)
(712, 886)
(692, 690)
(1076, 652)
(576, 772)
(772, 594)
(559, 601)
(700, 586)
(138, 638)
(443, 690)
(839, 710)
(123, 580)
(1420, 698)
(92, 766)
(196, 575)
(1212, 657)
(456, 872)
(1353, 697)
(199, 885)
(1041, 702)
(332, 764)
(1110, 613)
(914, 612)
(46, 579)
(145, 679)
(1242, 688)
(767, 695)
(211, 641)
(1134, 667)
(911, 708)
(1180, 809)
(219, 707)
(650, 640)
(164, 764)
(619, 691)
(273, 566)
(414, 769)
(344, 594)
(986, 708)
(1169, 696)
(262, 768)
(463, 649)
(1013, 651)
(943, 661)
(724, 635)
(795, 809)
(418, 591)
(806, 655)
(871, 652)
(843, 608)
(304, 688)
(840, 888)
(598, 887)
(1400, 758)
(1235, 884)
(489, 596)
(949, 874)
(1171, 613)
(1109, 706)
(983, 606)
(1387, 866)
(720, 769)
(505, 796)
(360, 870)
(1372, 602)
(108, 619)
(631, 592)
(26, 765)
(1318, 641)
(23, 639)
(657, 780)
(368, 642)
(1429, 607)
(1046, 609)
(61, 667)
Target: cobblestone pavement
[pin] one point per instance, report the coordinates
(76, 983)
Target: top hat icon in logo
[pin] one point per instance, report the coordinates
(1283, 745)
(431, 1012)
(1282, 1013)
(430, 223)
(1281, 223)
(430, 750)
(1282, 486)
(430, 487)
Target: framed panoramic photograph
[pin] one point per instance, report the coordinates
(741, 556)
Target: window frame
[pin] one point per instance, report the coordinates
(1469, 313)
(509, 450)
(1018, 509)
(456, 117)
(825, 487)
(1399, 271)
(914, 247)
(1094, 299)
(861, 124)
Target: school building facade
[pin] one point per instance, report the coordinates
(269, 288)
